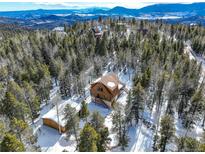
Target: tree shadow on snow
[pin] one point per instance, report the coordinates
(47, 136)
(64, 142)
(92, 106)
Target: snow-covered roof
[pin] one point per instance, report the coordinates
(120, 86)
(52, 114)
(110, 80)
(111, 84)
(98, 79)
(58, 29)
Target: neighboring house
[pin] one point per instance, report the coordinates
(98, 32)
(106, 90)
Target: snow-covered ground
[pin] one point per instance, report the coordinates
(50, 140)
(193, 56)
(140, 136)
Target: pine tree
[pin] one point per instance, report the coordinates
(124, 140)
(167, 131)
(188, 144)
(194, 112)
(201, 148)
(146, 78)
(12, 107)
(31, 100)
(128, 106)
(97, 121)
(3, 74)
(137, 102)
(3, 130)
(202, 143)
(65, 84)
(160, 86)
(155, 143)
(72, 121)
(54, 69)
(88, 139)
(103, 139)
(11, 144)
(18, 126)
(84, 112)
(119, 126)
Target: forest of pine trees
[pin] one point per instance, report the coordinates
(33, 61)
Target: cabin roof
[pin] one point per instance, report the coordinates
(110, 80)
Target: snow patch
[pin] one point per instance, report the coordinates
(111, 84)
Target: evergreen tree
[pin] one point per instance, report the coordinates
(103, 139)
(124, 140)
(137, 102)
(84, 112)
(155, 143)
(128, 106)
(3, 74)
(65, 84)
(146, 78)
(167, 131)
(72, 121)
(158, 93)
(187, 144)
(119, 126)
(201, 148)
(97, 121)
(2, 132)
(194, 112)
(11, 144)
(88, 139)
(18, 126)
(54, 69)
(12, 107)
(31, 100)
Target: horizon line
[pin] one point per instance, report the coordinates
(75, 7)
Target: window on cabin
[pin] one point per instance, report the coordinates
(100, 89)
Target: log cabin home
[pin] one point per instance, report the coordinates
(105, 90)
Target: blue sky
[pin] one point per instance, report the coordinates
(38, 4)
(13, 6)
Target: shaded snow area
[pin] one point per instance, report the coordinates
(196, 132)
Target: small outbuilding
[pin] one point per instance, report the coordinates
(55, 117)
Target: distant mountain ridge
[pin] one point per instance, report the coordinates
(173, 13)
(197, 8)
(194, 8)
